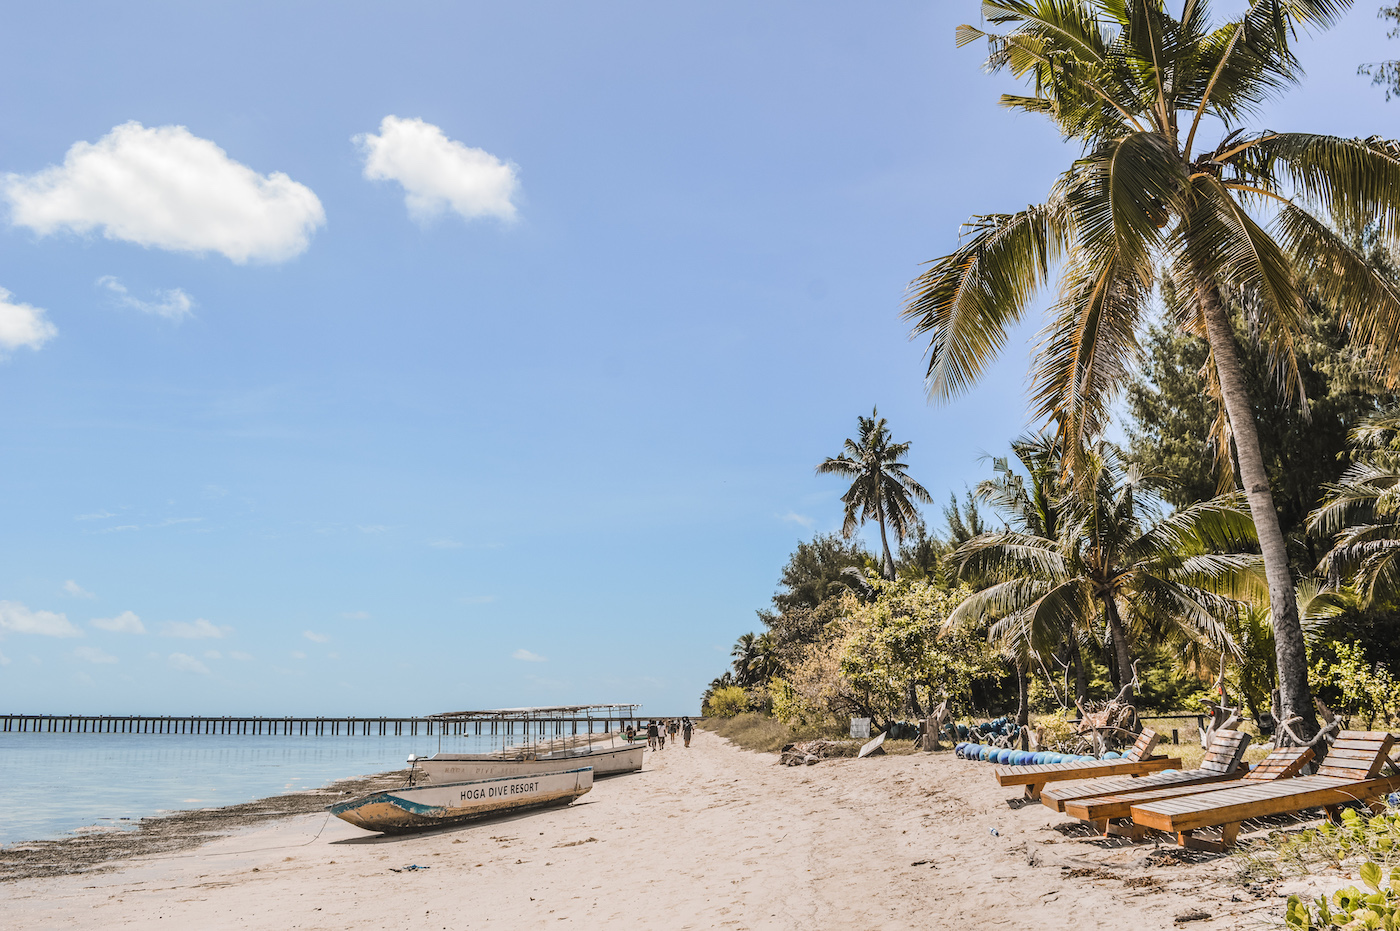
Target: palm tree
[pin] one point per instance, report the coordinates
(1112, 568)
(1362, 513)
(755, 658)
(1031, 504)
(881, 488)
(1134, 85)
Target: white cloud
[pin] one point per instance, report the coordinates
(477, 599)
(197, 630)
(125, 623)
(168, 188)
(445, 544)
(528, 657)
(100, 515)
(15, 618)
(4, 660)
(94, 655)
(297, 654)
(372, 528)
(173, 304)
(186, 663)
(438, 173)
(23, 325)
(315, 637)
(795, 518)
(76, 590)
(356, 615)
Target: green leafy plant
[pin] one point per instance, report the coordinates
(1351, 907)
(1358, 839)
(727, 702)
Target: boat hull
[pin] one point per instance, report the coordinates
(457, 767)
(420, 808)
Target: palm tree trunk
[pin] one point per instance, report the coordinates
(1122, 656)
(884, 541)
(1023, 696)
(1081, 674)
(1289, 649)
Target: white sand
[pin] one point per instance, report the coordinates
(709, 837)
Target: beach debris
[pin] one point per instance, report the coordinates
(412, 867)
(875, 746)
(576, 843)
(995, 832)
(810, 752)
(1195, 914)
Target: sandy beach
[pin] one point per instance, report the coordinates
(705, 837)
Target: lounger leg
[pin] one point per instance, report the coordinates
(1228, 833)
(1033, 790)
(1125, 828)
(1100, 826)
(1334, 813)
(1378, 806)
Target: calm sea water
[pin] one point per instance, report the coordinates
(52, 784)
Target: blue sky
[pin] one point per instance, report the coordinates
(530, 414)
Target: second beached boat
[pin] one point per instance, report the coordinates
(546, 747)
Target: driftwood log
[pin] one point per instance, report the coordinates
(941, 717)
(1112, 722)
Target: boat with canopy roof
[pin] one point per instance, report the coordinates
(546, 747)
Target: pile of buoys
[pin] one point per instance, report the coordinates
(988, 754)
(997, 727)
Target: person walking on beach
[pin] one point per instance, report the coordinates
(651, 734)
(672, 728)
(687, 730)
(631, 733)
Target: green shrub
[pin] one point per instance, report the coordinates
(1351, 907)
(1359, 838)
(727, 702)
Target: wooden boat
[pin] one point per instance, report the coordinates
(551, 743)
(457, 767)
(419, 808)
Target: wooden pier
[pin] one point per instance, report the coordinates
(302, 726)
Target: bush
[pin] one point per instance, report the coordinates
(727, 702)
(1359, 838)
(1351, 907)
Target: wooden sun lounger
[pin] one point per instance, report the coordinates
(1350, 773)
(1222, 762)
(1100, 810)
(1135, 762)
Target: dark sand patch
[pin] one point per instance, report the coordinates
(100, 850)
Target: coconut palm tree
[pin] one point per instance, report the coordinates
(1112, 567)
(1149, 199)
(1362, 513)
(881, 489)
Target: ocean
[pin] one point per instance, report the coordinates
(54, 784)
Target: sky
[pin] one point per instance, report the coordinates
(401, 358)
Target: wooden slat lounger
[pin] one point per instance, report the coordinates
(1350, 773)
(1135, 762)
(1222, 762)
(1099, 810)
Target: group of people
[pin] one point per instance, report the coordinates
(659, 731)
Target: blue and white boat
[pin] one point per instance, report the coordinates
(420, 808)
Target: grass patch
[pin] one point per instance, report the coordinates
(752, 731)
(1359, 838)
(758, 732)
